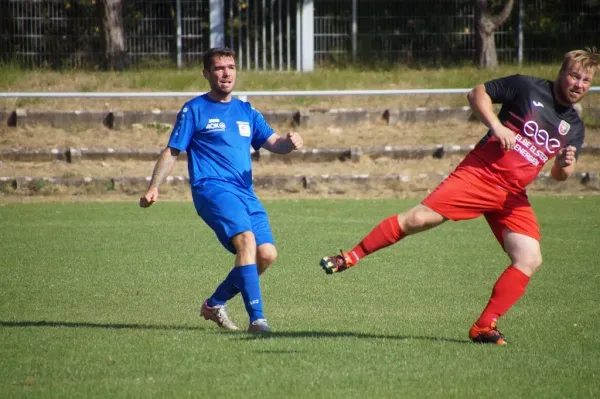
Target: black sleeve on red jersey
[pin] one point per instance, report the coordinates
(577, 139)
(504, 89)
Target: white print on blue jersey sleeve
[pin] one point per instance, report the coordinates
(262, 130)
(183, 130)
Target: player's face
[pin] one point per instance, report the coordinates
(221, 75)
(574, 83)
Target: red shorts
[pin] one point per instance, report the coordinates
(467, 194)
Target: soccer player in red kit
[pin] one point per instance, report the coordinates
(537, 122)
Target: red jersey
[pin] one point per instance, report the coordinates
(541, 126)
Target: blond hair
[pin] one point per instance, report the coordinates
(588, 59)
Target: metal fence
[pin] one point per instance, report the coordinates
(263, 33)
(151, 30)
(442, 31)
(394, 31)
(59, 33)
(66, 33)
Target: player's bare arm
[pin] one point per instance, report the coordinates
(162, 169)
(482, 106)
(283, 145)
(564, 164)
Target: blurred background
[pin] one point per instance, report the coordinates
(399, 144)
(292, 34)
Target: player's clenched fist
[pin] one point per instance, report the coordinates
(149, 198)
(505, 135)
(566, 156)
(296, 140)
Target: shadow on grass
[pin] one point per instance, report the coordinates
(348, 334)
(116, 326)
(282, 334)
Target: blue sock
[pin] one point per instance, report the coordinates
(250, 287)
(227, 289)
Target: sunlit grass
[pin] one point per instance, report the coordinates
(13, 78)
(101, 300)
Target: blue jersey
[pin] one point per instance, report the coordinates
(217, 137)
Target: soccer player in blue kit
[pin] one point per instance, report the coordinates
(216, 130)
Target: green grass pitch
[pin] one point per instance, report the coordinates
(101, 300)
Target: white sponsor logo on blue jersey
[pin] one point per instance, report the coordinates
(215, 124)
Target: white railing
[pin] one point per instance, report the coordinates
(236, 94)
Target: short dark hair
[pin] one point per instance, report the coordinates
(207, 59)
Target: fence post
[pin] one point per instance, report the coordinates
(217, 23)
(179, 44)
(520, 33)
(298, 36)
(354, 29)
(306, 37)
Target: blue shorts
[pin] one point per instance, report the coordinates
(230, 211)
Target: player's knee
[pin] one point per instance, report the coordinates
(535, 260)
(418, 219)
(244, 242)
(267, 254)
(529, 261)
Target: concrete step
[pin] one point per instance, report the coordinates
(117, 119)
(580, 182)
(354, 154)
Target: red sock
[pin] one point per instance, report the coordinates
(386, 233)
(509, 287)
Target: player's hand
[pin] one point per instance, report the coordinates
(149, 198)
(505, 135)
(566, 156)
(296, 140)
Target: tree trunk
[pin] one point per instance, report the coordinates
(113, 37)
(485, 26)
